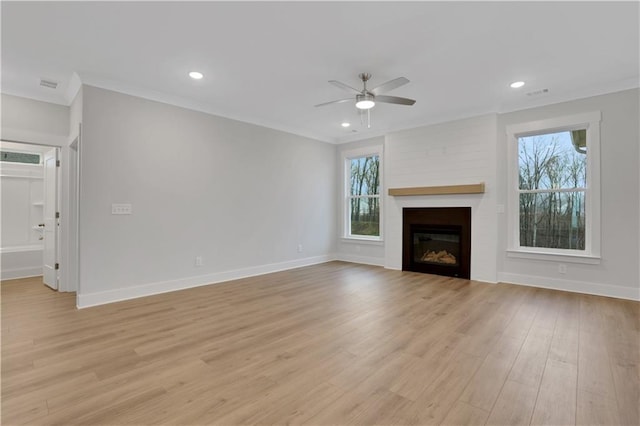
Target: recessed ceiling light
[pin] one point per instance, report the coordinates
(517, 84)
(345, 124)
(196, 75)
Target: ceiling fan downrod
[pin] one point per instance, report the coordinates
(364, 76)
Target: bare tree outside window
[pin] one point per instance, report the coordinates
(364, 196)
(552, 185)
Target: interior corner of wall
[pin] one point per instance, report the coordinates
(75, 86)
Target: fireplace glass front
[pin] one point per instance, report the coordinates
(437, 246)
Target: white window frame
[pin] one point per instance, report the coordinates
(347, 156)
(591, 122)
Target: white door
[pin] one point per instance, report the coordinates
(50, 273)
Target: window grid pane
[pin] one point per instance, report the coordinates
(553, 220)
(553, 160)
(19, 157)
(364, 175)
(364, 216)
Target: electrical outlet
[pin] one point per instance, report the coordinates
(562, 268)
(198, 260)
(299, 248)
(121, 209)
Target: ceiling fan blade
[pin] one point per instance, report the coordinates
(345, 87)
(389, 85)
(339, 101)
(394, 100)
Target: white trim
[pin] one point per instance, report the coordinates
(21, 249)
(589, 121)
(550, 190)
(550, 125)
(86, 300)
(345, 157)
(73, 88)
(363, 240)
(4, 175)
(12, 274)
(598, 289)
(554, 257)
(393, 268)
(70, 225)
(364, 260)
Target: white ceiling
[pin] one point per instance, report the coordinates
(268, 63)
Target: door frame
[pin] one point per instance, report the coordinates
(69, 200)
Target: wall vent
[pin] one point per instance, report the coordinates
(48, 83)
(538, 92)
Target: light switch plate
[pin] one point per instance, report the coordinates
(121, 209)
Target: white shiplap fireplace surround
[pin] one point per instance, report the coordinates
(455, 153)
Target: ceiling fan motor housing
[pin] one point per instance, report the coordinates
(364, 76)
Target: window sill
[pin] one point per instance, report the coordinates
(362, 240)
(554, 257)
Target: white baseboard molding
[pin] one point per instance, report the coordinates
(12, 274)
(134, 292)
(597, 289)
(484, 281)
(365, 260)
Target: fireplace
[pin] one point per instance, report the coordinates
(437, 240)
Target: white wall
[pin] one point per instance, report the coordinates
(359, 251)
(453, 153)
(70, 181)
(474, 150)
(617, 274)
(241, 196)
(184, 172)
(22, 195)
(34, 117)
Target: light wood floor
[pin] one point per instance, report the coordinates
(331, 344)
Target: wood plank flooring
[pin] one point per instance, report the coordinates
(331, 344)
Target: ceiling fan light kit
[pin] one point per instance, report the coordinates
(367, 99)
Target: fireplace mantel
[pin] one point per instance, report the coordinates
(476, 188)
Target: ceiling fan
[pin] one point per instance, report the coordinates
(367, 98)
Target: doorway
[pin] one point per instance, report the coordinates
(30, 183)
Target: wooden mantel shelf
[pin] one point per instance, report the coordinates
(476, 188)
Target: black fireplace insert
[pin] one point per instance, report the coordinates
(437, 241)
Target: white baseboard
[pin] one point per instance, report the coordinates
(12, 274)
(126, 293)
(366, 260)
(597, 289)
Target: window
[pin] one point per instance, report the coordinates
(554, 203)
(552, 169)
(19, 157)
(362, 212)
